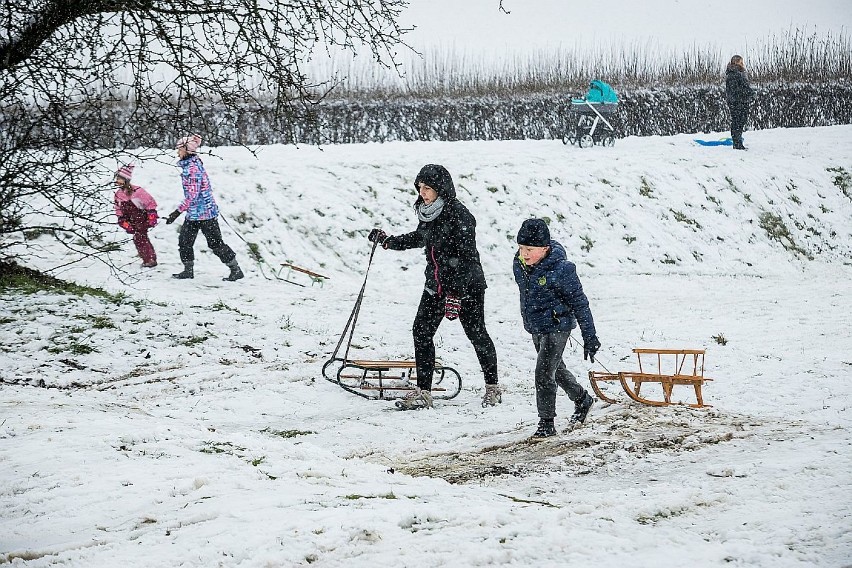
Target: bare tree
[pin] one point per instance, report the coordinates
(67, 67)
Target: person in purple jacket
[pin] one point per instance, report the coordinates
(201, 213)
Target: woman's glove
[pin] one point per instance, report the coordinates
(125, 224)
(452, 307)
(377, 236)
(152, 218)
(172, 216)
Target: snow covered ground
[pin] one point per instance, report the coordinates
(187, 422)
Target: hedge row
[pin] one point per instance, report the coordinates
(641, 113)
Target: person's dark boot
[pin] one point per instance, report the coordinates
(187, 273)
(235, 274)
(581, 409)
(545, 429)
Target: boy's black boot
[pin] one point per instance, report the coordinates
(581, 409)
(187, 273)
(235, 274)
(545, 429)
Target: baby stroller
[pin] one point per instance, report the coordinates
(590, 115)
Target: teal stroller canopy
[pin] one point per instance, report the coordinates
(600, 92)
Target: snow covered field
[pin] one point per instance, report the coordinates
(187, 423)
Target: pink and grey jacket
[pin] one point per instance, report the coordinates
(198, 202)
(140, 198)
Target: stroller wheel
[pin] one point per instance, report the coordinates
(608, 141)
(586, 141)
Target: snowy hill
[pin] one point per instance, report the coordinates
(190, 425)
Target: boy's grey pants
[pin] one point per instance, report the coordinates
(550, 371)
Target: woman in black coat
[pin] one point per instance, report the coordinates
(455, 283)
(739, 93)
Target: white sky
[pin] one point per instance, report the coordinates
(478, 25)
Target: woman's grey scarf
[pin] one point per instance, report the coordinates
(428, 213)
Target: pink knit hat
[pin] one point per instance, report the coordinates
(190, 143)
(125, 171)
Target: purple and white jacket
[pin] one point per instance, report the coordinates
(198, 202)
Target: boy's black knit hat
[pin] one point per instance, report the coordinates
(534, 233)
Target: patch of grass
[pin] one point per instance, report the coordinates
(645, 189)
(777, 231)
(669, 260)
(842, 180)
(75, 348)
(7, 320)
(209, 447)
(355, 496)
(102, 322)
(719, 339)
(682, 218)
(22, 280)
(588, 243)
(222, 306)
(629, 239)
(492, 189)
(287, 433)
(194, 340)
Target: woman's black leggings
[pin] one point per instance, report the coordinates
(430, 313)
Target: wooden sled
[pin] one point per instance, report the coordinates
(675, 360)
(314, 276)
(382, 379)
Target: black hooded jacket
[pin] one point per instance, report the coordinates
(452, 260)
(738, 92)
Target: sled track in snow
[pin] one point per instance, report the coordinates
(611, 440)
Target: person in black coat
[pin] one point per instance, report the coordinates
(552, 304)
(739, 94)
(455, 283)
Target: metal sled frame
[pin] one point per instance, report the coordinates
(684, 374)
(382, 379)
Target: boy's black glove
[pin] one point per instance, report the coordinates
(172, 216)
(377, 236)
(591, 347)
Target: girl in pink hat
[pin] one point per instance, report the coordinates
(137, 212)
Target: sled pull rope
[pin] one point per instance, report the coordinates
(573, 341)
(353, 317)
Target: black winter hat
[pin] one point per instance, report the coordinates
(534, 233)
(438, 178)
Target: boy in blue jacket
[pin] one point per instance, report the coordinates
(552, 303)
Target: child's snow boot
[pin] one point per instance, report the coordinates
(187, 273)
(235, 274)
(493, 395)
(581, 409)
(546, 429)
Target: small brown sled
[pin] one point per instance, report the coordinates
(683, 373)
(391, 379)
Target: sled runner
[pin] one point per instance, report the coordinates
(683, 372)
(314, 276)
(379, 379)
